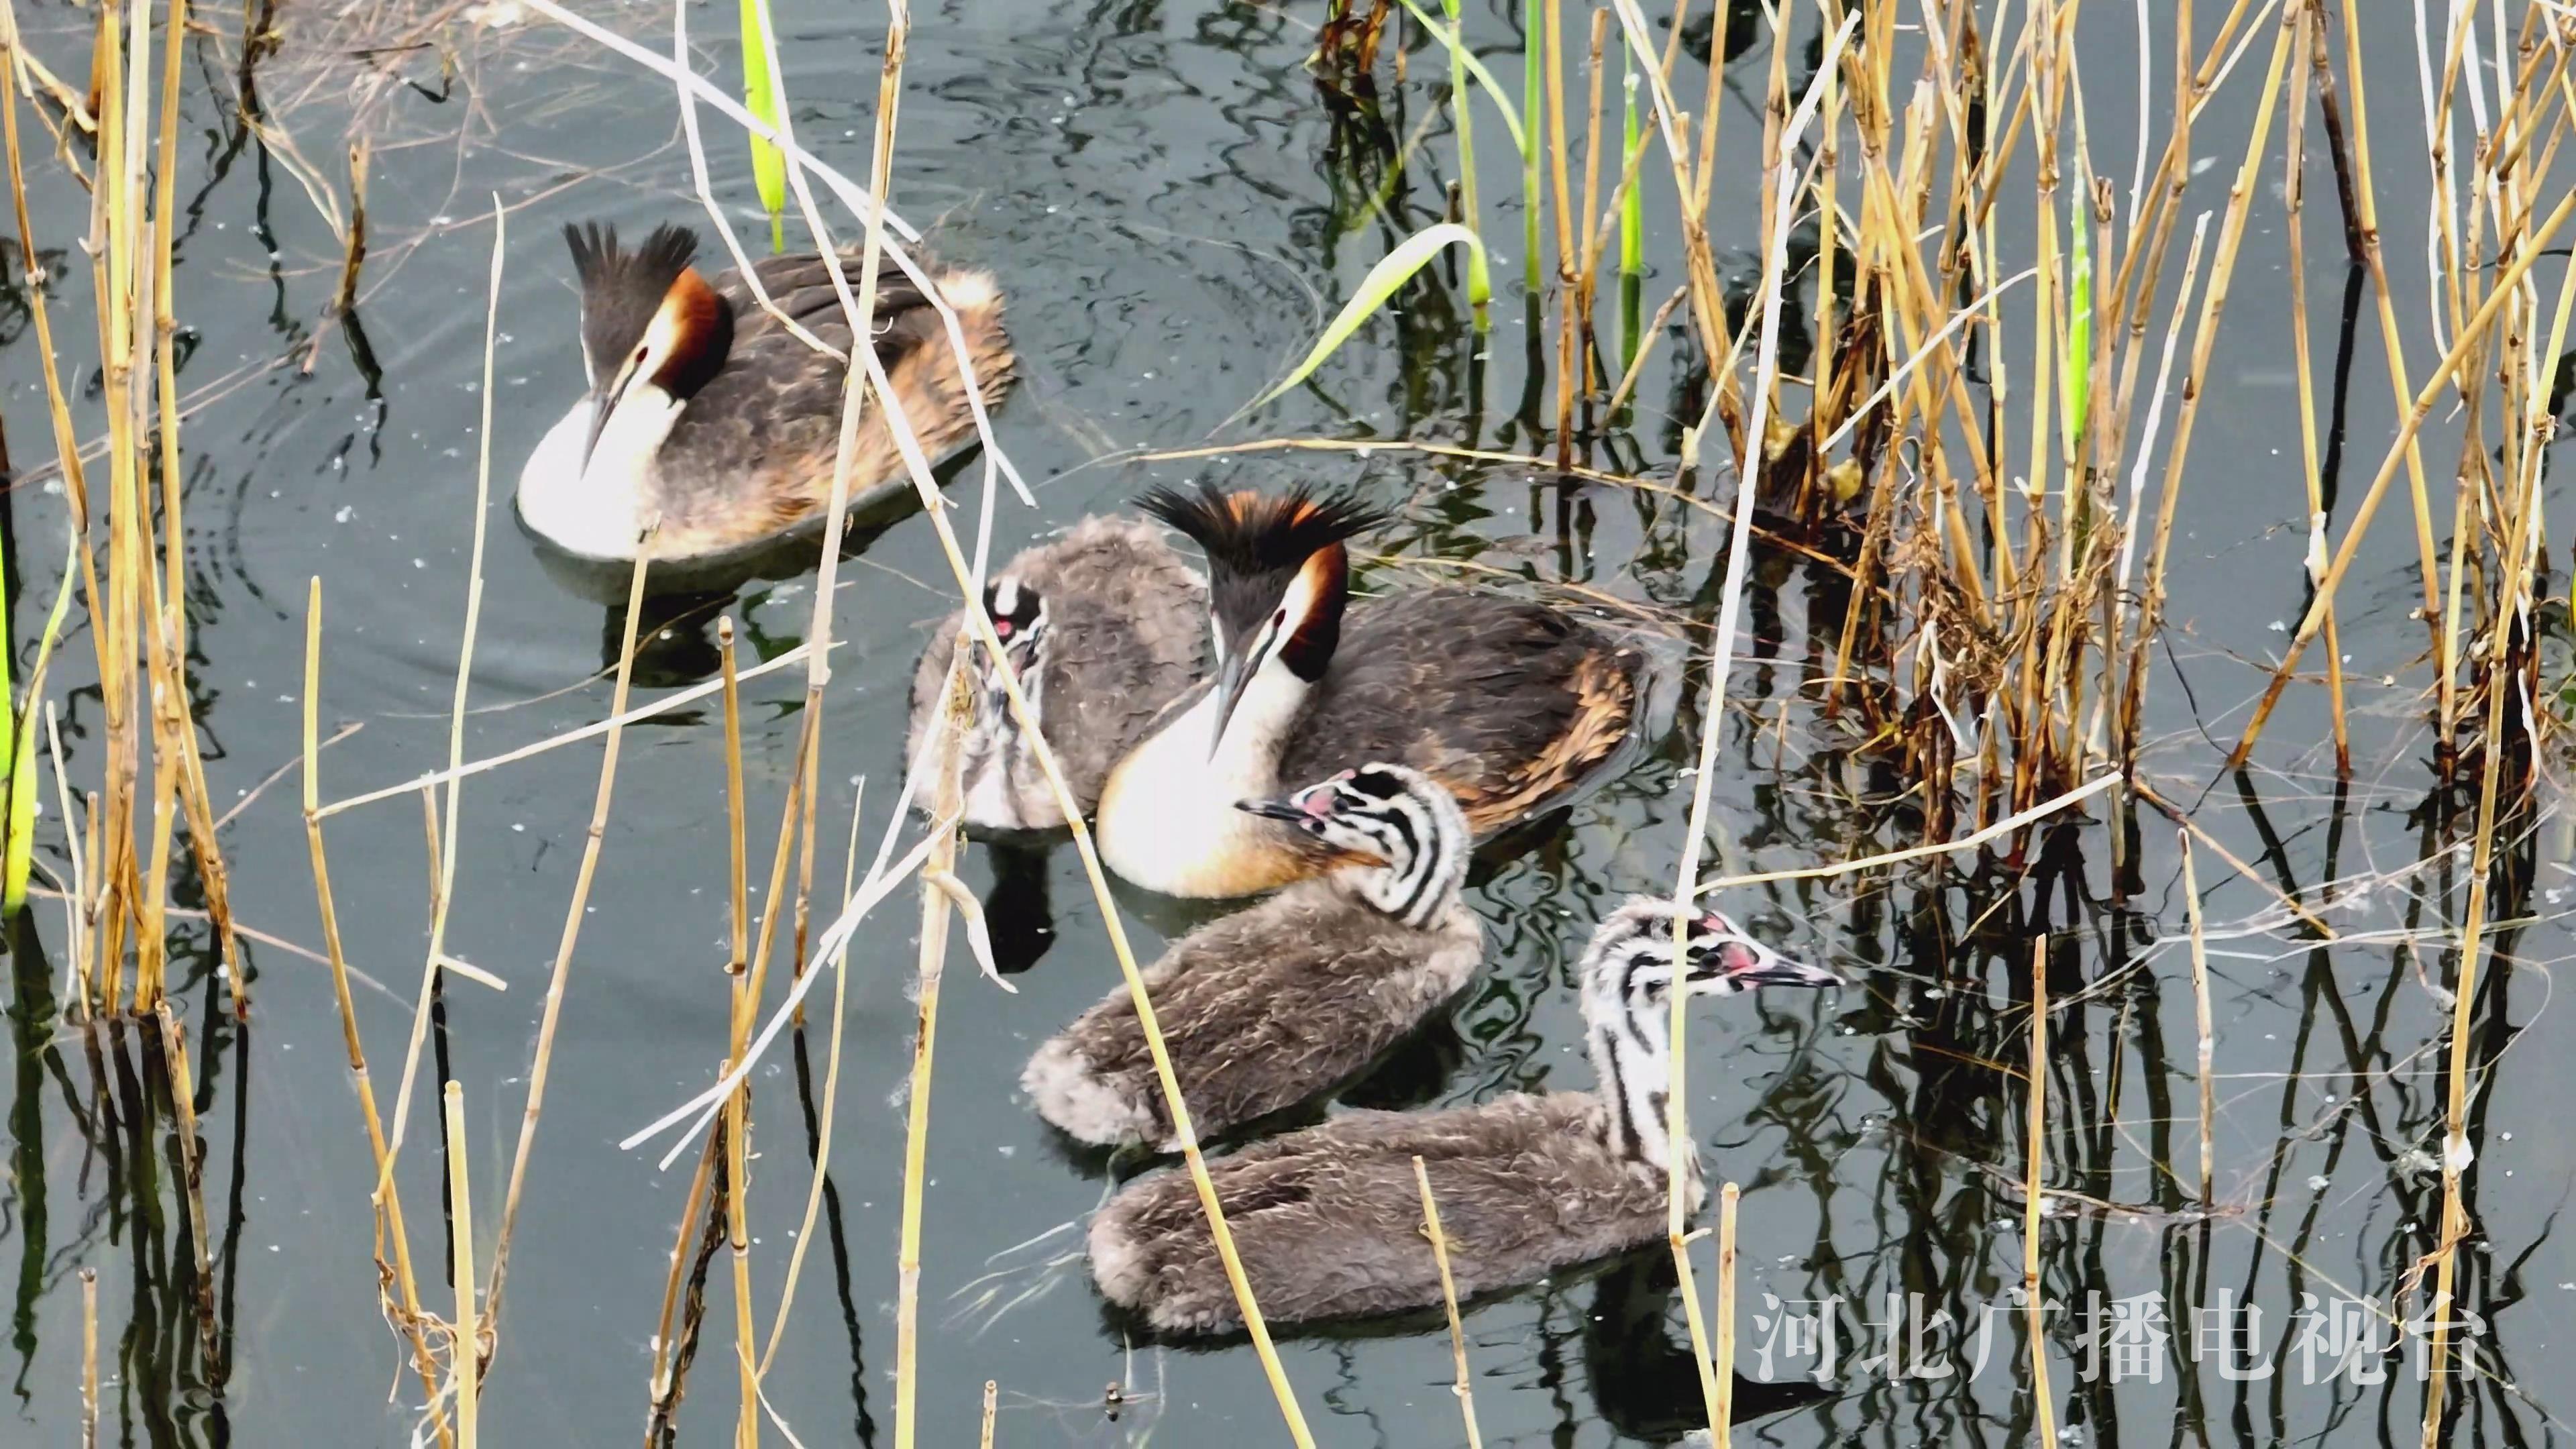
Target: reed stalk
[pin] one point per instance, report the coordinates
(1533, 201)
(1722, 1426)
(2034, 1204)
(1480, 286)
(2311, 470)
(956, 715)
(823, 1121)
(541, 1065)
(992, 1391)
(2518, 560)
(1465, 1387)
(743, 1006)
(183, 1107)
(387, 1194)
(89, 1358)
(1712, 723)
(462, 1361)
(2207, 1033)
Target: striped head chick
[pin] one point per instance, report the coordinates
(1019, 615)
(1405, 835)
(1627, 977)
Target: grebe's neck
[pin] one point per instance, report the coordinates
(1627, 1030)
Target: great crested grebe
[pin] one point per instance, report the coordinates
(1328, 1221)
(1505, 702)
(1270, 1006)
(707, 412)
(1102, 626)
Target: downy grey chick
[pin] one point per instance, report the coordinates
(1293, 997)
(1327, 1220)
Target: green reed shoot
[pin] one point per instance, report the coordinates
(2075, 377)
(18, 738)
(1632, 218)
(1382, 282)
(760, 97)
(1480, 286)
(1533, 76)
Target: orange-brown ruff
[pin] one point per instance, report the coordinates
(1508, 703)
(750, 452)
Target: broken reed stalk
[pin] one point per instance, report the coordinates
(737, 1189)
(443, 886)
(823, 1118)
(991, 1391)
(462, 1360)
(183, 1105)
(387, 1194)
(542, 1064)
(1722, 1428)
(2033, 1204)
(2202, 1019)
(89, 1358)
(956, 715)
(1464, 1388)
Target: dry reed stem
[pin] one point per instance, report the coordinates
(443, 890)
(183, 1104)
(1712, 725)
(2294, 191)
(956, 714)
(543, 1062)
(1464, 1388)
(2010, 823)
(2201, 1017)
(2235, 862)
(831, 1098)
(2522, 542)
(462, 1359)
(737, 1179)
(678, 699)
(1722, 1428)
(2042, 1399)
(662, 1385)
(992, 1391)
(741, 1007)
(387, 1195)
(89, 1358)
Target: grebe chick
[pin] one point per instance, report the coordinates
(1507, 703)
(1274, 1005)
(1328, 1220)
(705, 411)
(1102, 626)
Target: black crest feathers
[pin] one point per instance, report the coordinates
(621, 290)
(1247, 533)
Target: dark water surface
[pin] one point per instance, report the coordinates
(1162, 190)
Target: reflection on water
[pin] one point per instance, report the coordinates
(1175, 206)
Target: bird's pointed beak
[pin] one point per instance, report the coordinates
(602, 400)
(1298, 807)
(1285, 808)
(1231, 681)
(1743, 963)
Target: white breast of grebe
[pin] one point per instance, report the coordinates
(598, 511)
(1168, 822)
